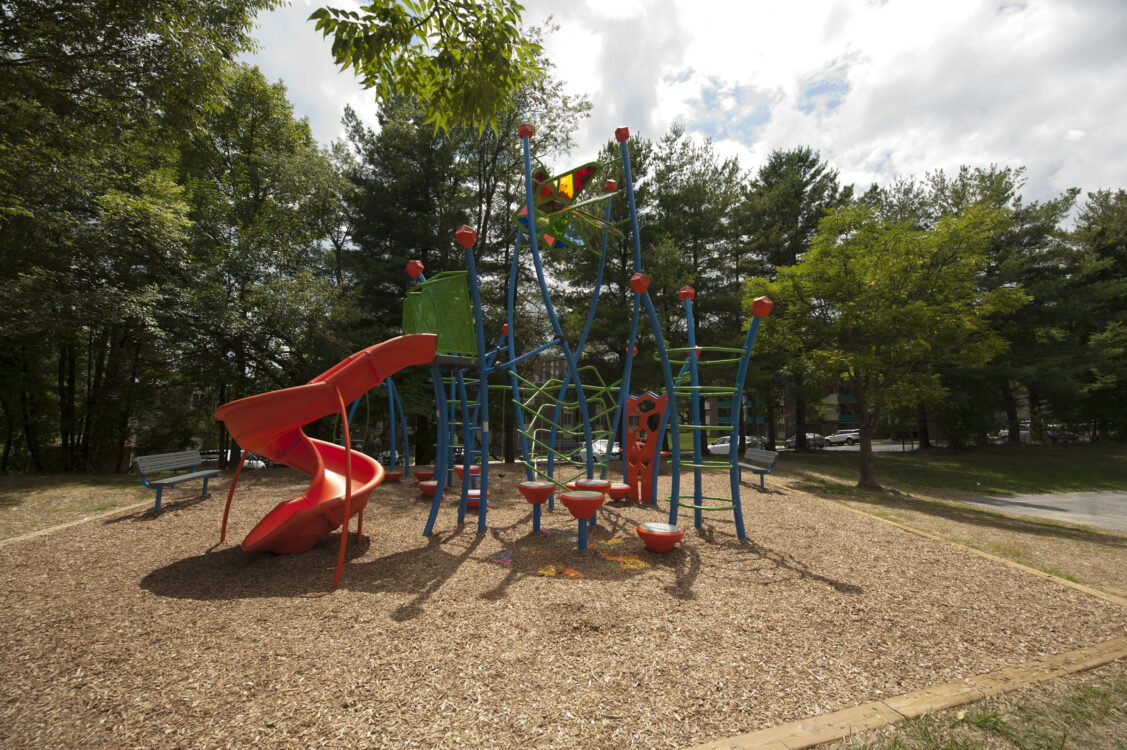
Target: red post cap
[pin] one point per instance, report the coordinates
(505, 329)
(465, 236)
(622, 134)
(610, 186)
(525, 130)
(414, 268)
(761, 307)
(686, 292)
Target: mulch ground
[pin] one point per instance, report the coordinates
(143, 631)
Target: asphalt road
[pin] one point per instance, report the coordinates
(1107, 510)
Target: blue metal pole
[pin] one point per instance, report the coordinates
(440, 449)
(694, 382)
(482, 386)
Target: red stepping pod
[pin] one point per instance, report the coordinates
(580, 504)
(428, 488)
(473, 498)
(392, 476)
(593, 485)
(659, 537)
(474, 471)
(424, 476)
(618, 491)
(536, 493)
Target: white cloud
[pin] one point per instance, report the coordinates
(881, 89)
(292, 50)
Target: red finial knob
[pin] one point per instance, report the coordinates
(622, 134)
(639, 282)
(525, 130)
(610, 186)
(505, 329)
(415, 268)
(687, 292)
(761, 307)
(465, 236)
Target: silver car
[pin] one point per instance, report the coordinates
(844, 437)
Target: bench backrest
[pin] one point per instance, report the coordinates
(760, 457)
(166, 461)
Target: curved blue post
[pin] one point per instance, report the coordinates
(552, 319)
(666, 373)
(514, 384)
(737, 417)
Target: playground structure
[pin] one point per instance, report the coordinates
(444, 330)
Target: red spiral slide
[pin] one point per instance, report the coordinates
(270, 424)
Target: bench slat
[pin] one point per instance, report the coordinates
(185, 477)
(167, 461)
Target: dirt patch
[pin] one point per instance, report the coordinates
(143, 631)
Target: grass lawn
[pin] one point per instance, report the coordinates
(33, 503)
(996, 470)
(924, 492)
(1086, 711)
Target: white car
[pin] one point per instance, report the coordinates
(844, 437)
(719, 446)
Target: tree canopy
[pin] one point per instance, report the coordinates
(465, 59)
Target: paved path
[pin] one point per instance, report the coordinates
(1107, 510)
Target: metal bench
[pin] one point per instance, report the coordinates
(760, 462)
(166, 462)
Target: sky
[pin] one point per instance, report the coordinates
(883, 89)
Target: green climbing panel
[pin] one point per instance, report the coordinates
(442, 305)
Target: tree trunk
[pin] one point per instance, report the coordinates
(866, 422)
(799, 413)
(9, 432)
(1011, 414)
(921, 425)
(772, 431)
(221, 430)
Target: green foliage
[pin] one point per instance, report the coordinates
(466, 59)
(94, 98)
(875, 303)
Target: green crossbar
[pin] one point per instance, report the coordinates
(730, 506)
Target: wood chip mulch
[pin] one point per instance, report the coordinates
(143, 631)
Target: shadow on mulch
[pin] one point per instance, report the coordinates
(979, 517)
(166, 506)
(230, 573)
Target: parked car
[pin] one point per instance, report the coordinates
(813, 440)
(844, 437)
(719, 446)
(599, 449)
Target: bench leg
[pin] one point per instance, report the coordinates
(204, 493)
(156, 509)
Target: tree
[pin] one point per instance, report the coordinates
(875, 302)
(265, 308)
(94, 98)
(465, 58)
(1101, 236)
(786, 199)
